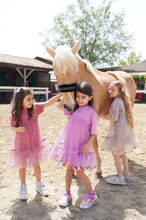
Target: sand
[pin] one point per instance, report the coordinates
(115, 202)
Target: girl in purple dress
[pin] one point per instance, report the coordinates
(74, 145)
(120, 139)
(29, 147)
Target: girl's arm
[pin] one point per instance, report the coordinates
(60, 105)
(86, 147)
(107, 117)
(115, 75)
(52, 100)
(18, 129)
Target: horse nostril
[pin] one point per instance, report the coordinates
(70, 109)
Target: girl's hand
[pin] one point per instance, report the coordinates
(111, 73)
(21, 129)
(86, 148)
(60, 105)
(116, 76)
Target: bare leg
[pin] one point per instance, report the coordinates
(22, 175)
(37, 171)
(95, 148)
(68, 178)
(125, 164)
(117, 160)
(85, 180)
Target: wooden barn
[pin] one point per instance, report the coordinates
(19, 71)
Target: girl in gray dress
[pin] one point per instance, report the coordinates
(120, 138)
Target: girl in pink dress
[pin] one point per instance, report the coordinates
(74, 145)
(29, 147)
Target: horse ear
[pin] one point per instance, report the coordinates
(76, 47)
(50, 51)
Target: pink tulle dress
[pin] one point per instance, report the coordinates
(120, 139)
(28, 148)
(68, 147)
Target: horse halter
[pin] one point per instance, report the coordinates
(68, 87)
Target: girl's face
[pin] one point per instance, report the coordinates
(28, 101)
(113, 91)
(82, 99)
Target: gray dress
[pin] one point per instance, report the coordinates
(120, 139)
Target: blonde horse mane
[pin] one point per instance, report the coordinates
(90, 68)
(65, 60)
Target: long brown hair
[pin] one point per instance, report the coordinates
(126, 100)
(18, 105)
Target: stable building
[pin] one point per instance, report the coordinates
(19, 71)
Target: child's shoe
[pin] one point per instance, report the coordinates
(23, 192)
(116, 180)
(40, 187)
(89, 201)
(127, 178)
(65, 199)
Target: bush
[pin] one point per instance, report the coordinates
(138, 78)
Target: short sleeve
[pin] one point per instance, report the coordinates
(114, 110)
(94, 122)
(66, 113)
(39, 108)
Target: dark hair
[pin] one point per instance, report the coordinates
(18, 105)
(85, 88)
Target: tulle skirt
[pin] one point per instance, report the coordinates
(68, 148)
(117, 148)
(29, 158)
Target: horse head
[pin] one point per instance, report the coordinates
(65, 66)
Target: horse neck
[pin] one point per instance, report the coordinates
(85, 75)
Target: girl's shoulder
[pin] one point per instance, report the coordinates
(118, 104)
(93, 113)
(93, 109)
(39, 108)
(118, 100)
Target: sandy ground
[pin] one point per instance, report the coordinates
(115, 202)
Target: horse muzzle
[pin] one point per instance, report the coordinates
(70, 109)
(69, 88)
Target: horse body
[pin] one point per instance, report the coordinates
(69, 68)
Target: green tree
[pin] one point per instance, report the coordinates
(104, 35)
(131, 59)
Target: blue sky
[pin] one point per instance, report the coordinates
(22, 20)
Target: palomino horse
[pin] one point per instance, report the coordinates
(70, 70)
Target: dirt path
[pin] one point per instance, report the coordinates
(115, 202)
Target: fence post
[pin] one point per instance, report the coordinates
(46, 94)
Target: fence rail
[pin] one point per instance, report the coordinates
(36, 90)
(142, 91)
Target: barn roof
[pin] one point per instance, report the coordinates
(138, 67)
(22, 62)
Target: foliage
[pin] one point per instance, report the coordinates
(138, 78)
(131, 59)
(104, 35)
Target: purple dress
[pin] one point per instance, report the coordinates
(76, 133)
(28, 148)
